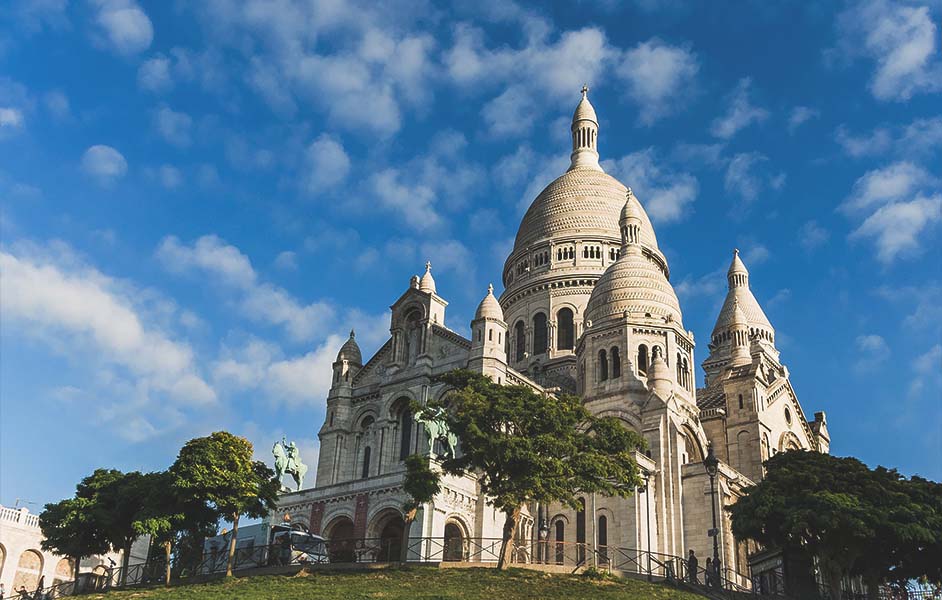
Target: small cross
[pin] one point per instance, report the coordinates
(585, 89)
(490, 288)
(428, 265)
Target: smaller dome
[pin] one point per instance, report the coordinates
(427, 283)
(350, 351)
(584, 110)
(632, 209)
(489, 308)
(634, 284)
(659, 374)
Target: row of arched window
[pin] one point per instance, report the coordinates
(601, 535)
(614, 253)
(753, 333)
(683, 371)
(603, 365)
(523, 266)
(565, 334)
(565, 253)
(541, 258)
(591, 252)
(584, 137)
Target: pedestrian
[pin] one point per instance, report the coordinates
(692, 565)
(708, 573)
(716, 573)
(24, 595)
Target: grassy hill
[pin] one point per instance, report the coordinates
(413, 583)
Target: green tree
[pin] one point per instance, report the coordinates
(69, 529)
(422, 485)
(219, 470)
(118, 501)
(531, 447)
(855, 520)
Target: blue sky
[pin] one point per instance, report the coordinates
(199, 199)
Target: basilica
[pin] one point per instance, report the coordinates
(587, 308)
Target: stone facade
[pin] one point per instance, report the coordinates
(587, 308)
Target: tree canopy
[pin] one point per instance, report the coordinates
(857, 521)
(69, 529)
(527, 446)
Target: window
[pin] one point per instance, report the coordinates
(603, 365)
(602, 535)
(490, 335)
(788, 416)
(686, 371)
(366, 463)
(740, 401)
(616, 362)
(642, 359)
(560, 540)
(565, 330)
(539, 333)
(520, 341)
(405, 433)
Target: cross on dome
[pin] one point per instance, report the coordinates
(585, 89)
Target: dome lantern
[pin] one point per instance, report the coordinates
(630, 224)
(585, 134)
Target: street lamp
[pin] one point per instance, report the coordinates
(543, 554)
(647, 501)
(712, 464)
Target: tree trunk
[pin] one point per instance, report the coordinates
(404, 549)
(125, 561)
(506, 545)
(75, 574)
(835, 574)
(232, 544)
(167, 565)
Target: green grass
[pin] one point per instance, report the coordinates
(414, 583)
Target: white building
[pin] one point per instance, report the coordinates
(587, 308)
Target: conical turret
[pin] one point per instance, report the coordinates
(585, 134)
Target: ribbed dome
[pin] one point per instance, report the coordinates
(633, 284)
(350, 351)
(740, 293)
(585, 110)
(582, 202)
(489, 308)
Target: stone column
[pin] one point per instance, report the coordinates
(317, 517)
(359, 516)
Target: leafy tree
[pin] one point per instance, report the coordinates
(219, 470)
(169, 514)
(69, 530)
(532, 447)
(115, 499)
(422, 485)
(857, 521)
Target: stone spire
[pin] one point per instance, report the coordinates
(630, 224)
(739, 330)
(585, 133)
(489, 308)
(738, 275)
(427, 283)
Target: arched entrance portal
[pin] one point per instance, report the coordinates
(340, 540)
(454, 542)
(390, 540)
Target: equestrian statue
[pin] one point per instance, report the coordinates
(436, 427)
(288, 461)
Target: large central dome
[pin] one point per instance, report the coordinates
(582, 202)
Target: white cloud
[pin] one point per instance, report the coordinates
(659, 77)
(287, 260)
(901, 39)
(57, 104)
(921, 138)
(174, 127)
(170, 176)
(82, 312)
(886, 184)
(261, 301)
(10, 118)
(104, 163)
(666, 196)
(124, 25)
(742, 177)
(800, 115)
(327, 164)
(511, 113)
(896, 227)
(707, 286)
(154, 74)
(755, 253)
(415, 203)
(811, 236)
(740, 114)
(872, 350)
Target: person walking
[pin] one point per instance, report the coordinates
(692, 564)
(708, 572)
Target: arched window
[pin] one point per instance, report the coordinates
(565, 330)
(490, 335)
(616, 362)
(602, 536)
(520, 340)
(539, 333)
(366, 463)
(405, 433)
(585, 252)
(642, 359)
(740, 401)
(680, 375)
(560, 541)
(603, 365)
(686, 372)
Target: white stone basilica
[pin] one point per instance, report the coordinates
(588, 308)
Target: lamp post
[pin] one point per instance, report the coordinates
(543, 554)
(712, 464)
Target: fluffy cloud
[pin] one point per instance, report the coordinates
(51, 295)
(811, 236)
(902, 41)
(154, 74)
(57, 104)
(123, 25)
(921, 138)
(740, 113)
(655, 73)
(104, 163)
(10, 118)
(800, 115)
(170, 176)
(896, 203)
(174, 127)
(667, 196)
(327, 164)
(746, 177)
(261, 301)
(872, 350)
